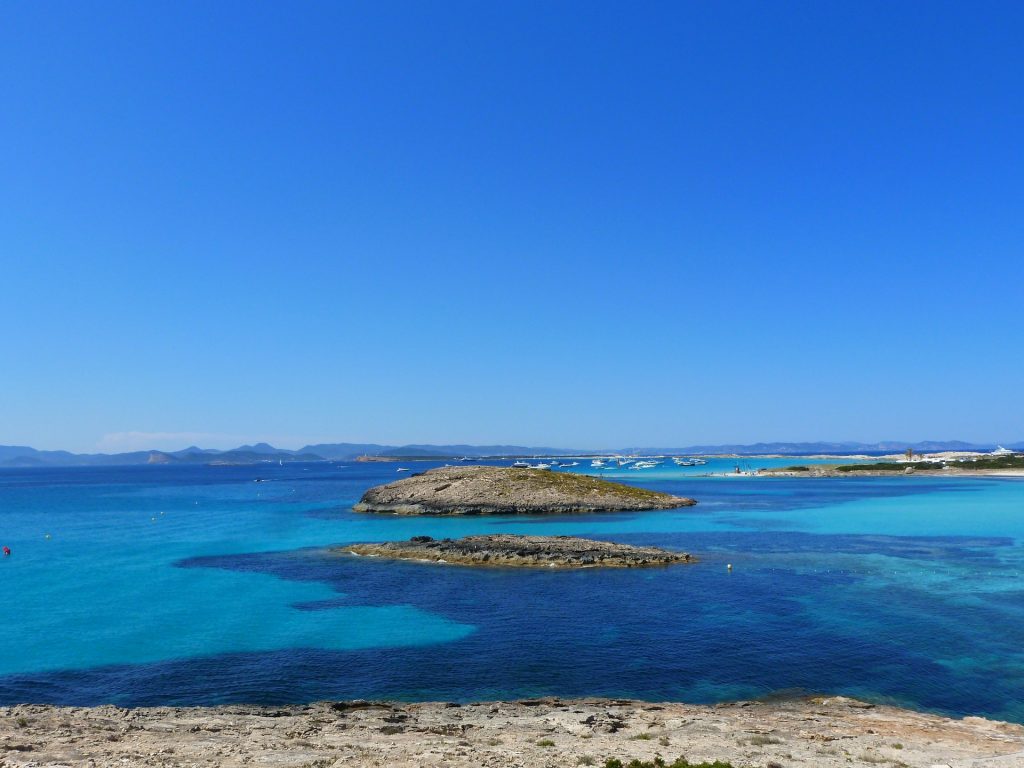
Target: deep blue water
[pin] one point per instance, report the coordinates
(195, 585)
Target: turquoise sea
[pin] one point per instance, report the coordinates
(196, 585)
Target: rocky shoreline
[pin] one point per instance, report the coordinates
(823, 732)
(829, 470)
(510, 550)
(485, 490)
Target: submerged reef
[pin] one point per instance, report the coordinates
(522, 551)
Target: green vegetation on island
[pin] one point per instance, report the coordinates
(1014, 461)
(658, 762)
(890, 466)
(1011, 461)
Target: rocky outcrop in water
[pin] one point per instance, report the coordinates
(521, 551)
(507, 491)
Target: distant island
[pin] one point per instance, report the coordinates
(229, 457)
(485, 490)
(509, 550)
(25, 456)
(1009, 463)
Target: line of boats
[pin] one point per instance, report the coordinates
(693, 462)
(620, 462)
(545, 465)
(613, 462)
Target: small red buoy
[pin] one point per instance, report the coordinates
(7, 551)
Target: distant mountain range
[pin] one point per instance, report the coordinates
(24, 456)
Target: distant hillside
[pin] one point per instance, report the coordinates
(24, 456)
(348, 451)
(238, 456)
(262, 449)
(476, 451)
(344, 451)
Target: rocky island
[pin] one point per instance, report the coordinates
(510, 550)
(509, 491)
(934, 465)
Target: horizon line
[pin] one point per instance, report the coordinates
(588, 449)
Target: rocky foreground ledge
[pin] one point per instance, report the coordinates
(507, 491)
(818, 732)
(509, 550)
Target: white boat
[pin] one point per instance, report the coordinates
(542, 465)
(645, 465)
(520, 465)
(597, 463)
(402, 469)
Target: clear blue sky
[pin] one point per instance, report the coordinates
(585, 224)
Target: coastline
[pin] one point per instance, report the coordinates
(824, 732)
(42, 739)
(828, 470)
